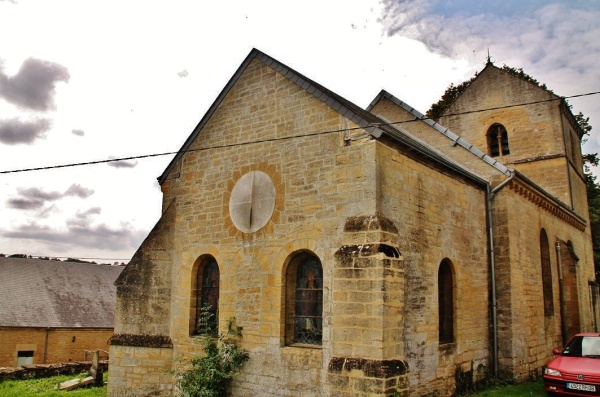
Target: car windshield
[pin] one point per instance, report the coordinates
(583, 346)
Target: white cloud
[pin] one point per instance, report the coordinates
(139, 85)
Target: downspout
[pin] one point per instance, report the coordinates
(561, 296)
(490, 195)
(46, 344)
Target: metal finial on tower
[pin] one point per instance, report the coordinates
(489, 59)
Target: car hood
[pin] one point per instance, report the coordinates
(577, 365)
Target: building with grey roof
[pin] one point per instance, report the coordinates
(53, 311)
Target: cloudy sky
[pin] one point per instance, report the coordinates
(85, 81)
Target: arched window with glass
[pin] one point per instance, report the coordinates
(446, 302)
(304, 300)
(546, 274)
(206, 298)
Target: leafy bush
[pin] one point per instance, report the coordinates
(210, 375)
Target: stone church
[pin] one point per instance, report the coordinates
(364, 252)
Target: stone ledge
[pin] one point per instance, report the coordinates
(368, 250)
(371, 368)
(154, 341)
(369, 223)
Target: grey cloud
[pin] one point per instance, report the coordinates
(82, 219)
(79, 191)
(79, 235)
(78, 132)
(24, 204)
(33, 85)
(555, 42)
(123, 163)
(183, 73)
(15, 131)
(45, 212)
(35, 198)
(91, 211)
(543, 36)
(35, 193)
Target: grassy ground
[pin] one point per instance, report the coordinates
(523, 389)
(45, 387)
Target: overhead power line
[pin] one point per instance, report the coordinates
(281, 138)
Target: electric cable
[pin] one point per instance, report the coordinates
(285, 138)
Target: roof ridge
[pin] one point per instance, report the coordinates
(361, 117)
(453, 137)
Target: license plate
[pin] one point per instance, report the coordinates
(579, 386)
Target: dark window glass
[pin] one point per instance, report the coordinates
(207, 308)
(308, 311)
(446, 303)
(24, 357)
(583, 346)
(546, 274)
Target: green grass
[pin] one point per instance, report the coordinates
(46, 387)
(522, 389)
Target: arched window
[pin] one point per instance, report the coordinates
(446, 302)
(304, 300)
(497, 138)
(205, 299)
(546, 274)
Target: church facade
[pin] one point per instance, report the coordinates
(364, 252)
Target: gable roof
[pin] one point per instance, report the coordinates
(45, 293)
(454, 138)
(369, 122)
(489, 66)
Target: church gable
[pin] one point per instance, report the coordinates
(267, 101)
(516, 121)
(507, 117)
(495, 87)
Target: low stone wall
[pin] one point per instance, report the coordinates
(48, 370)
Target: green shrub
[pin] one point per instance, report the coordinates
(210, 374)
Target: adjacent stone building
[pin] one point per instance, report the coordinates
(53, 311)
(364, 252)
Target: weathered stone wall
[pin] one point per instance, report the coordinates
(141, 349)
(140, 371)
(438, 216)
(526, 336)
(320, 181)
(144, 286)
(54, 344)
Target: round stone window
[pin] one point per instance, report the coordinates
(252, 201)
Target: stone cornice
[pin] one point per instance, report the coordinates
(543, 201)
(538, 158)
(154, 341)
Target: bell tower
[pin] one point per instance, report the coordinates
(523, 125)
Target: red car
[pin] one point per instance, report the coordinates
(576, 370)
